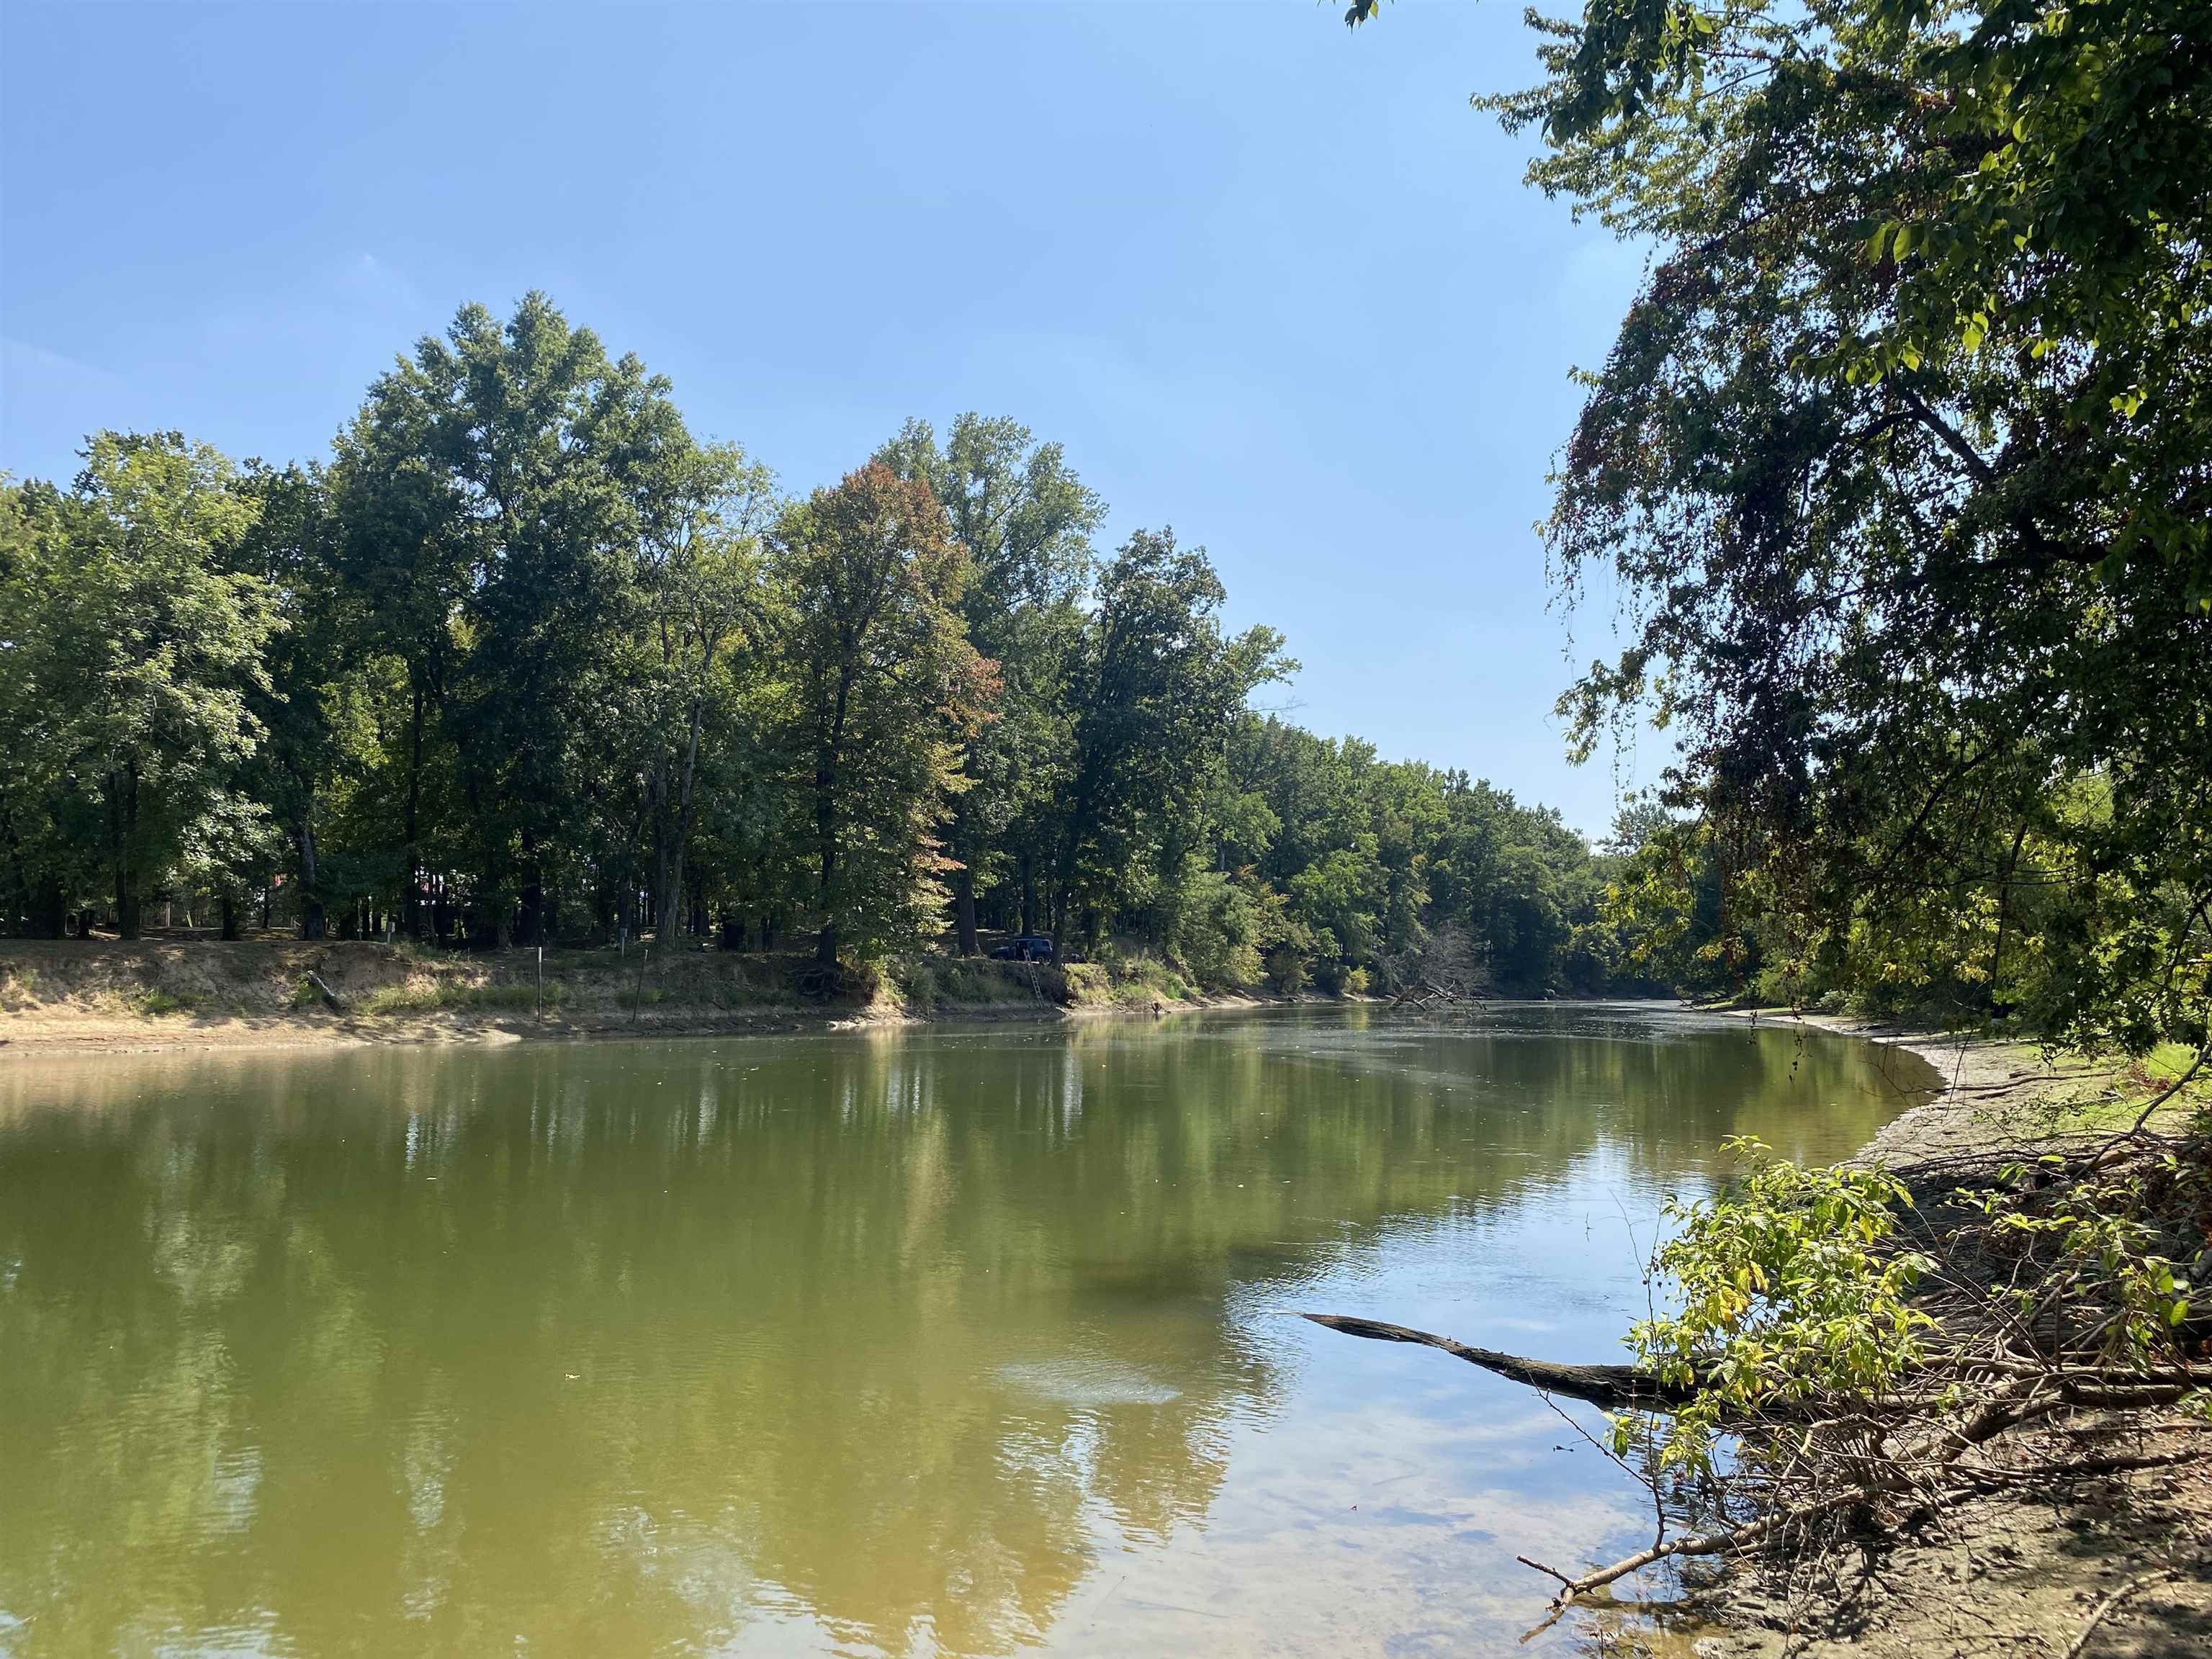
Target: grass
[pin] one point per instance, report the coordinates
(158, 1001)
(1128, 979)
(920, 983)
(2113, 1094)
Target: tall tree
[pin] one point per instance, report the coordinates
(289, 549)
(135, 651)
(1026, 521)
(885, 689)
(1155, 686)
(700, 596)
(1903, 464)
(505, 477)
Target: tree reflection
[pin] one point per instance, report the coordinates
(881, 1337)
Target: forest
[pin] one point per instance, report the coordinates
(523, 660)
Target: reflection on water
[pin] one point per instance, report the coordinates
(941, 1342)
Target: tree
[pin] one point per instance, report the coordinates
(883, 689)
(1900, 460)
(1026, 522)
(699, 582)
(131, 661)
(290, 549)
(44, 832)
(498, 488)
(404, 561)
(1155, 686)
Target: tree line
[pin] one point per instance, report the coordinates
(524, 660)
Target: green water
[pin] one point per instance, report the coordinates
(950, 1341)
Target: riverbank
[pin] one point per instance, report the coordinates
(71, 996)
(2006, 1571)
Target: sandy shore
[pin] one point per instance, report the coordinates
(67, 999)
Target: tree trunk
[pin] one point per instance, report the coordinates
(825, 838)
(311, 925)
(1029, 892)
(687, 804)
(963, 879)
(664, 902)
(230, 908)
(49, 910)
(123, 817)
(415, 918)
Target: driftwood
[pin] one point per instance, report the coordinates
(330, 997)
(1610, 1386)
(1422, 991)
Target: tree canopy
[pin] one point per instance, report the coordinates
(524, 659)
(1902, 463)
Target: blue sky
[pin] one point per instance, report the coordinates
(1270, 282)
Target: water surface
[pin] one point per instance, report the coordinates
(944, 1341)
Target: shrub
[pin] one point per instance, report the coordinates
(1213, 928)
(1789, 1289)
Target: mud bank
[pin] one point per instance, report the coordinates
(68, 996)
(2002, 1574)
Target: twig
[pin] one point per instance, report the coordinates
(1563, 1578)
(2177, 1085)
(2097, 1613)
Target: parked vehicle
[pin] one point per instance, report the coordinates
(1029, 947)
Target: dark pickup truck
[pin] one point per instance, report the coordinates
(1029, 947)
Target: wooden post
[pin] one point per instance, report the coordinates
(541, 983)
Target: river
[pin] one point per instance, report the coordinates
(921, 1341)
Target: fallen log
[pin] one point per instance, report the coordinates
(330, 997)
(1609, 1386)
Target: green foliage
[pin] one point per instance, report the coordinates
(1786, 1286)
(1213, 928)
(885, 688)
(131, 650)
(1153, 691)
(1898, 466)
(527, 660)
(2104, 1247)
